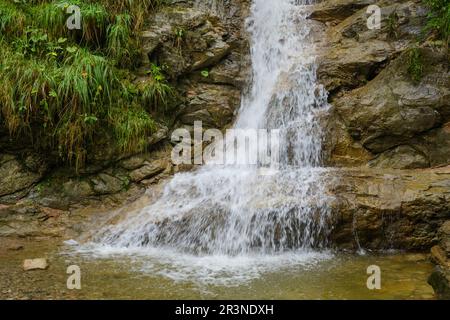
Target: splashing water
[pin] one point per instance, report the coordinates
(234, 211)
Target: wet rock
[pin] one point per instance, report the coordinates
(440, 281)
(35, 264)
(378, 209)
(149, 170)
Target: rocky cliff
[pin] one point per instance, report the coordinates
(390, 95)
(388, 128)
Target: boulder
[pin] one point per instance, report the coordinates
(148, 170)
(106, 184)
(20, 174)
(35, 264)
(440, 281)
(78, 188)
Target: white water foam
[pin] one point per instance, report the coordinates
(229, 221)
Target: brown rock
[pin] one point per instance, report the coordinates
(337, 10)
(393, 114)
(389, 208)
(355, 54)
(149, 170)
(438, 257)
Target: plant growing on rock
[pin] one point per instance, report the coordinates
(439, 18)
(415, 64)
(179, 36)
(156, 92)
(392, 25)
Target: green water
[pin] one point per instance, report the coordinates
(340, 276)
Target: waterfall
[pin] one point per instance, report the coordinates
(235, 210)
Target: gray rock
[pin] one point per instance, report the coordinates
(184, 40)
(16, 176)
(106, 184)
(133, 163)
(158, 136)
(149, 170)
(76, 188)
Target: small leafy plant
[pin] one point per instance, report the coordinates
(439, 18)
(415, 64)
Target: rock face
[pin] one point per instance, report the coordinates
(18, 175)
(393, 115)
(389, 90)
(386, 209)
(205, 52)
(440, 255)
(355, 54)
(338, 10)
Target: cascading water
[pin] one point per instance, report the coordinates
(234, 210)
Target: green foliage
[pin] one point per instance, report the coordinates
(415, 64)
(178, 34)
(119, 40)
(12, 19)
(439, 18)
(157, 92)
(392, 25)
(131, 126)
(205, 73)
(60, 86)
